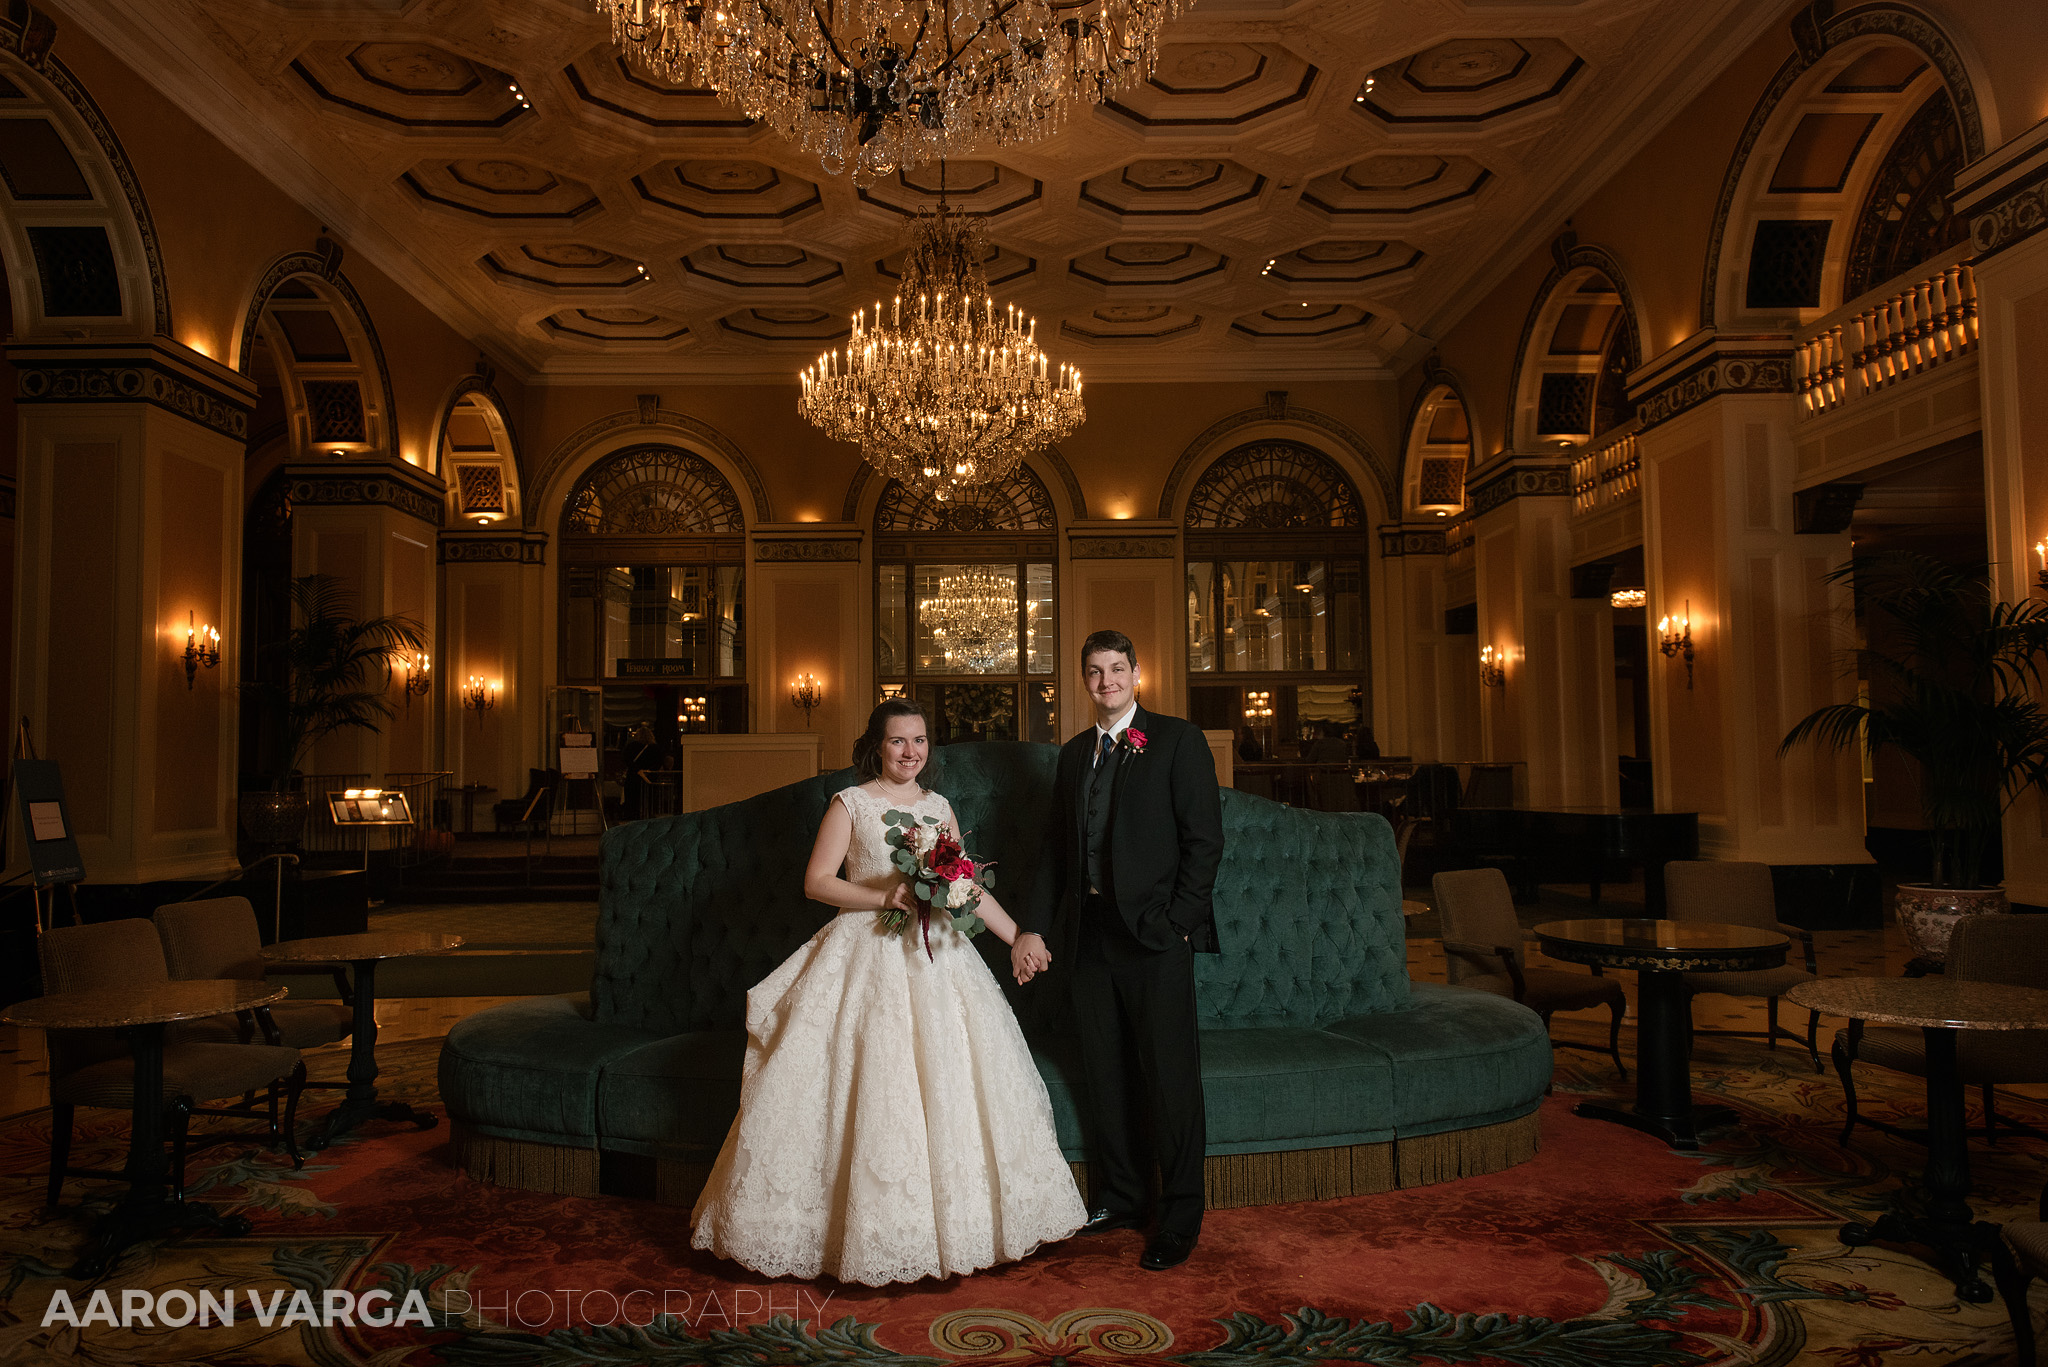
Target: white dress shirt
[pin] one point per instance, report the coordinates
(1114, 731)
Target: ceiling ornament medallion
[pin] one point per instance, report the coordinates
(874, 85)
(941, 391)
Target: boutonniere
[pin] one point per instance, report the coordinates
(1134, 739)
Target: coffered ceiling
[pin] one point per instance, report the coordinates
(1304, 189)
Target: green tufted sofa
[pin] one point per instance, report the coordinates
(1326, 1071)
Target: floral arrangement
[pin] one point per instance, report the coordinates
(943, 876)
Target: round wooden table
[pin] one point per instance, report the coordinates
(1661, 953)
(363, 953)
(1940, 1007)
(146, 1212)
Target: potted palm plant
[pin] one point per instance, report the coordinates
(330, 672)
(1952, 674)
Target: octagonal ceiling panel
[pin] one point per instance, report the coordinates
(413, 87)
(762, 265)
(1346, 261)
(1174, 187)
(727, 189)
(981, 188)
(1394, 184)
(563, 266)
(500, 187)
(1468, 81)
(604, 80)
(1130, 324)
(1151, 264)
(614, 325)
(1001, 263)
(1216, 86)
(1310, 321)
(790, 326)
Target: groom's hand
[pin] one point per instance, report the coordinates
(1029, 956)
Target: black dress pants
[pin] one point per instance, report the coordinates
(1142, 1059)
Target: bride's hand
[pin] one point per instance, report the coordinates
(1029, 957)
(900, 898)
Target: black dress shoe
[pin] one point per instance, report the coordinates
(1166, 1249)
(1103, 1221)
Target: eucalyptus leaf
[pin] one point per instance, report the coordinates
(924, 894)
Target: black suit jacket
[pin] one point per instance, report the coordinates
(1165, 835)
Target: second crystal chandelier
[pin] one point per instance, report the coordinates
(938, 389)
(873, 85)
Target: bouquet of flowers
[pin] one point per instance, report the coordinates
(943, 876)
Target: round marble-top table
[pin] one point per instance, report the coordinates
(363, 953)
(147, 1211)
(1661, 953)
(1940, 1007)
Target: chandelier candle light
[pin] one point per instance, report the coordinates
(973, 617)
(873, 85)
(940, 389)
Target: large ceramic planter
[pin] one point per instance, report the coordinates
(1928, 914)
(274, 818)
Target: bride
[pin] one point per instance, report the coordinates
(892, 1125)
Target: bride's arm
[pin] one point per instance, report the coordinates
(822, 882)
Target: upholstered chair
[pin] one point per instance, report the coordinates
(2021, 1257)
(1483, 949)
(219, 938)
(96, 1067)
(1988, 949)
(1740, 893)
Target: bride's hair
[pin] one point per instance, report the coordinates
(867, 751)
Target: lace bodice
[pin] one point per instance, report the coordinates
(868, 854)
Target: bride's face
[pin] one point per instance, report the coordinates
(904, 749)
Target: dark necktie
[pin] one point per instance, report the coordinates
(1102, 751)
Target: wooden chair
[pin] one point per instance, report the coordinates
(1987, 949)
(1740, 893)
(1483, 949)
(219, 938)
(96, 1067)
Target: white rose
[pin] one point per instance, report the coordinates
(959, 892)
(923, 838)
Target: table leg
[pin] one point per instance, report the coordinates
(1947, 1227)
(1664, 1106)
(360, 1102)
(147, 1210)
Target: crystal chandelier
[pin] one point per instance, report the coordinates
(972, 614)
(939, 390)
(878, 84)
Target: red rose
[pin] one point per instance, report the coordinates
(1134, 738)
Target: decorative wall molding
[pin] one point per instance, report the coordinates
(131, 373)
(1817, 30)
(2005, 199)
(493, 548)
(330, 486)
(1396, 542)
(1715, 371)
(980, 548)
(1212, 438)
(1520, 477)
(1123, 547)
(808, 549)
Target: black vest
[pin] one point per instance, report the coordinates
(1097, 791)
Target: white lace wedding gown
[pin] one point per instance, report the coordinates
(892, 1125)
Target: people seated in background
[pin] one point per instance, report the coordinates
(1364, 746)
(1327, 747)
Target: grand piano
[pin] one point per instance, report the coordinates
(1590, 845)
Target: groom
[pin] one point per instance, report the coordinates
(1137, 834)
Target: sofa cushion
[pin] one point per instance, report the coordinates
(528, 1069)
(1458, 1058)
(673, 1098)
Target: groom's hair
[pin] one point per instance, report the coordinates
(1100, 641)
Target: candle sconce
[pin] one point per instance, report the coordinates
(1674, 637)
(1493, 667)
(202, 649)
(806, 693)
(479, 696)
(418, 677)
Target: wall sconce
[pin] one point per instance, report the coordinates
(1258, 706)
(807, 693)
(1674, 637)
(479, 697)
(1628, 598)
(2041, 571)
(202, 647)
(1493, 668)
(418, 678)
(692, 717)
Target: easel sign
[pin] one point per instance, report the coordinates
(578, 755)
(52, 848)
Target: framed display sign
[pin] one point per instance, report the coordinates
(369, 807)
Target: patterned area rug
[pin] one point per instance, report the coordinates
(1606, 1249)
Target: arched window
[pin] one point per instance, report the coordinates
(1906, 218)
(1276, 602)
(965, 616)
(653, 564)
(1439, 454)
(475, 455)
